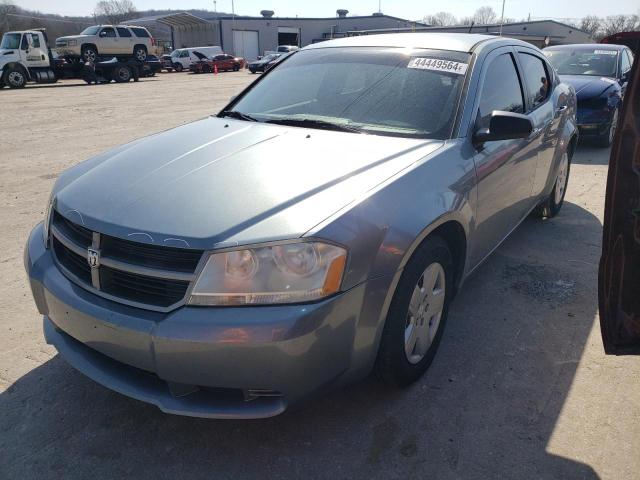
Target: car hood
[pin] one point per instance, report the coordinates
(587, 86)
(222, 182)
(74, 37)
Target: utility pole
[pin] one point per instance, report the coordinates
(379, 6)
(215, 6)
(502, 17)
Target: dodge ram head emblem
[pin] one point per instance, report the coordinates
(93, 257)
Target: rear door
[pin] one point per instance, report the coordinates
(546, 116)
(619, 274)
(505, 169)
(125, 41)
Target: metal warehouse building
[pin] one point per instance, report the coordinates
(540, 32)
(250, 37)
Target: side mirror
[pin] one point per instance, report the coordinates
(504, 126)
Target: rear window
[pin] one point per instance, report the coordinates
(140, 32)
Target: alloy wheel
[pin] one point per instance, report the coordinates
(425, 311)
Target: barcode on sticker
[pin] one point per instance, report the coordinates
(605, 52)
(438, 64)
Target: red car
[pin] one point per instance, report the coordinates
(222, 61)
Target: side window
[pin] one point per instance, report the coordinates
(536, 78)
(184, 54)
(123, 32)
(626, 64)
(501, 89)
(630, 57)
(35, 40)
(25, 43)
(108, 32)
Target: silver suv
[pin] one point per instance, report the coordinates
(107, 40)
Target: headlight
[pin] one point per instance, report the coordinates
(72, 43)
(287, 273)
(47, 221)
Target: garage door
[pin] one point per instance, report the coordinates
(245, 44)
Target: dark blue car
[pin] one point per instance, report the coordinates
(599, 73)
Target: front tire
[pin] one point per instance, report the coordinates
(89, 54)
(417, 314)
(15, 78)
(606, 139)
(551, 206)
(178, 67)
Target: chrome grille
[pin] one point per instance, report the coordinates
(143, 275)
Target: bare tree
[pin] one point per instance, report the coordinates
(115, 11)
(440, 19)
(591, 24)
(614, 24)
(484, 15)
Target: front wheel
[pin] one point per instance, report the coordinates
(178, 67)
(417, 314)
(15, 78)
(606, 139)
(553, 203)
(89, 54)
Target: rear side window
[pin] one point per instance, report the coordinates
(123, 32)
(501, 89)
(140, 32)
(35, 40)
(536, 79)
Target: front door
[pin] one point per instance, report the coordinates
(36, 51)
(108, 41)
(619, 274)
(505, 169)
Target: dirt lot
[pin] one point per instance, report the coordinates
(520, 388)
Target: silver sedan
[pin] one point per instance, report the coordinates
(314, 230)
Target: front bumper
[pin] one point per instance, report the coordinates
(246, 362)
(593, 122)
(67, 51)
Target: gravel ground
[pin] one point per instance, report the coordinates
(521, 387)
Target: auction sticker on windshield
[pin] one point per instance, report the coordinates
(438, 64)
(605, 52)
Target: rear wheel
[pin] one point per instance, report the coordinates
(606, 139)
(236, 67)
(122, 74)
(89, 54)
(140, 53)
(553, 203)
(417, 314)
(15, 78)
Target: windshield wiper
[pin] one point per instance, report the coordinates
(238, 115)
(312, 123)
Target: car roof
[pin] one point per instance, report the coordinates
(459, 42)
(588, 46)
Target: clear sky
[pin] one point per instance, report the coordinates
(409, 9)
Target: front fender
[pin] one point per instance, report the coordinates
(384, 230)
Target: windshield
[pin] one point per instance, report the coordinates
(399, 92)
(598, 61)
(90, 31)
(10, 41)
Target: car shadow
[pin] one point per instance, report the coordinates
(486, 409)
(591, 154)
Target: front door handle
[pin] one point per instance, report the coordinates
(559, 110)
